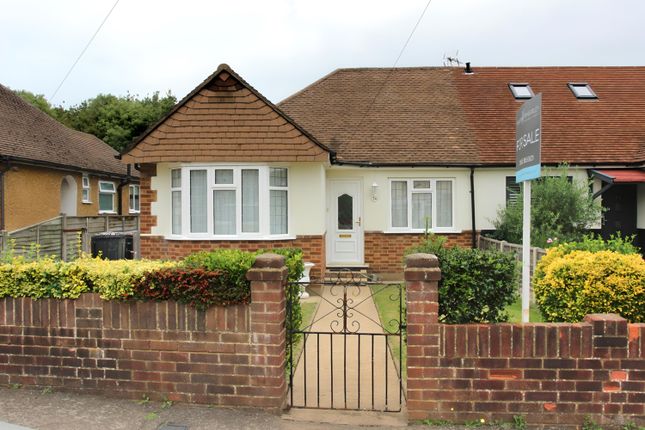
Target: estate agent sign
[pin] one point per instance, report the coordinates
(528, 139)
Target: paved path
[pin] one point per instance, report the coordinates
(347, 371)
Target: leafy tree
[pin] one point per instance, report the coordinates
(116, 120)
(39, 101)
(560, 208)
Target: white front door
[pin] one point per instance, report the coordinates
(345, 223)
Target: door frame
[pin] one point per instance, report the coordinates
(331, 223)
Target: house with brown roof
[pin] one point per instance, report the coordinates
(48, 169)
(355, 167)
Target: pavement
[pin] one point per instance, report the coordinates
(30, 409)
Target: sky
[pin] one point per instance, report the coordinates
(281, 46)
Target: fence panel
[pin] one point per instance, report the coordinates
(64, 237)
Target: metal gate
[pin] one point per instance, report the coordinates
(351, 355)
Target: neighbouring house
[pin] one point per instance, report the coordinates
(355, 167)
(47, 169)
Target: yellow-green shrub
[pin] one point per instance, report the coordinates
(112, 279)
(569, 286)
(51, 278)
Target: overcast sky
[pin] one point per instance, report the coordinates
(280, 46)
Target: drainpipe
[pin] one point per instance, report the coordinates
(472, 206)
(5, 167)
(119, 190)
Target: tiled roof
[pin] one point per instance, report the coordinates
(609, 129)
(444, 116)
(387, 116)
(28, 134)
(225, 119)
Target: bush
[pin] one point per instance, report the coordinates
(475, 285)
(560, 208)
(48, 277)
(198, 288)
(570, 285)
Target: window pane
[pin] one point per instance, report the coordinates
(278, 212)
(224, 211)
(176, 178)
(444, 203)
(176, 212)
(106, 186)
(345, 212)
(224, 176)
(198, 208)
(106, 202)
(278, 177)
(86, 195)
(86, 182)
(399, 204)
(422, 210)
(250, 201)
(424, 185)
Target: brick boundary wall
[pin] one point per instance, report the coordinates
(229, 356)
(554, 375)
(384, 251)
(157, 247)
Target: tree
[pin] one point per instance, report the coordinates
(560, 208)
(116, 120)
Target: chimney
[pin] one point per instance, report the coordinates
(468, 70)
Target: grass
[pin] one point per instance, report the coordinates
(389, 313)
(308, 313)
(515, 312)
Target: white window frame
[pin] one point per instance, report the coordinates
(411, 190)
(573, 86)
(179, 190)
(86, 187)
(111, 192)
(264, 201)
(137, 190)
(514, 86)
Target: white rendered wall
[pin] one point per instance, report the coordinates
(376, 212)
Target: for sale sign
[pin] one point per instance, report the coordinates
(528, 140)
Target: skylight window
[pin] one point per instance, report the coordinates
(582, 91)
(521, 91)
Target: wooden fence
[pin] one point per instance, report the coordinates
(504, 246)
(66, 236)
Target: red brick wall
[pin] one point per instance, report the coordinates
(384, 251)
(551, 374)
(156, 247)
(230, 356)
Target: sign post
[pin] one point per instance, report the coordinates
(528, 142)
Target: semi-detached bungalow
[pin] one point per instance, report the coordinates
(355, 167)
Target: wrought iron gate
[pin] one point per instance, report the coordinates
(347, 357)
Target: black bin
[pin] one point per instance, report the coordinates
(113, 246)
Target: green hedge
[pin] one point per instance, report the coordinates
(475, 285)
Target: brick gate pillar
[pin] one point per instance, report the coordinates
(422, 275)
(268, 312)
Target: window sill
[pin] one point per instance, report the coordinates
(107, 213)
(446, 231)
(232, 238)
(134, 212)
(86, 202)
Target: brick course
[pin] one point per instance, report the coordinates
(554, 375)
(157, 247)
(231, 356)
(384, 251)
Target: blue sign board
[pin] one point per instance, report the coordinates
(528, 140)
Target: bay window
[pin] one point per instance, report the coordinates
(420, 204)
(229, 202)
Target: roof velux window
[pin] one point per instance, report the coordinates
(582, 91)
(521, 91)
